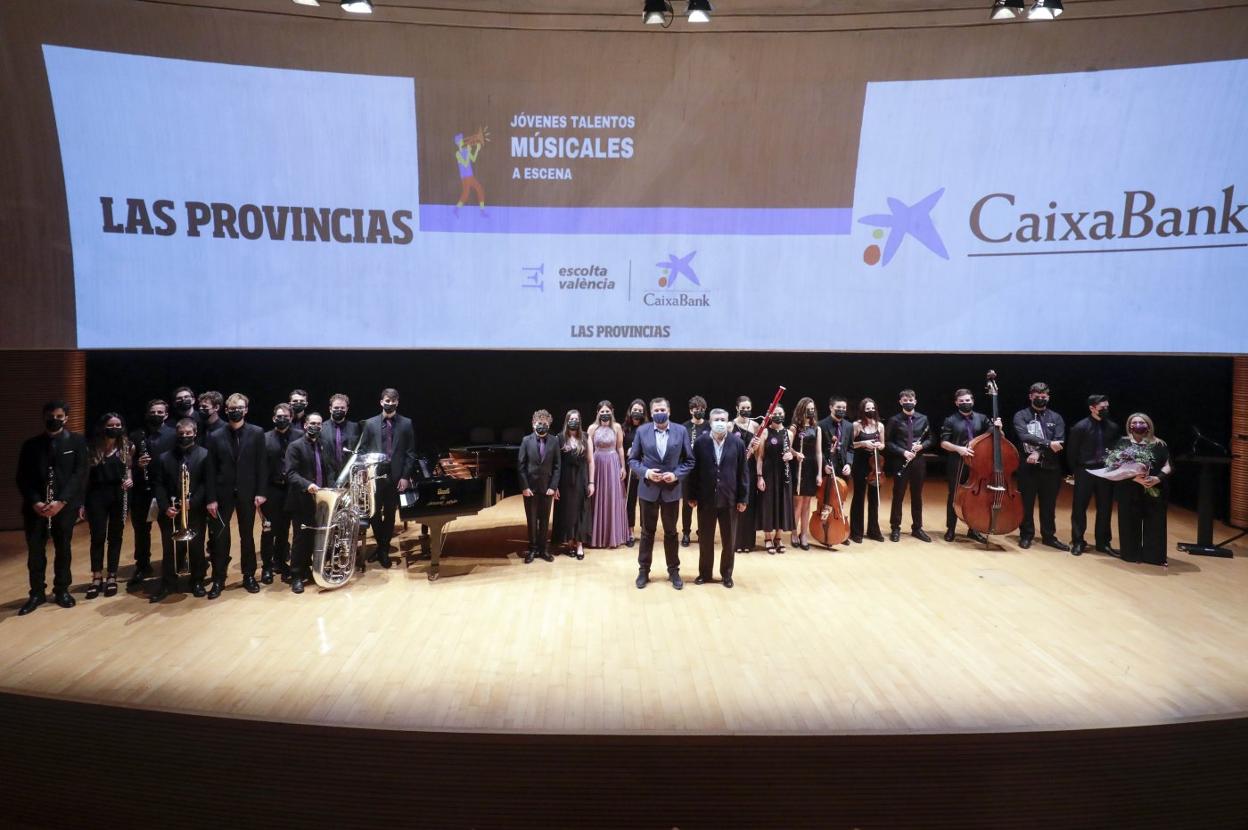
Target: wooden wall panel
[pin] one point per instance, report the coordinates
(1239, 444)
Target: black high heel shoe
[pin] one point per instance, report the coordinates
(110, 586)
(93, 590)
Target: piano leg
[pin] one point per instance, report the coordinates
(437, 538)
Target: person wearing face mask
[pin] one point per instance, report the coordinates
(696, 426)
(908, 435)
(608, 473)
(538, 464)
(956, 434)
(806, 439)
(774, 484)
(661, 458)
(718, 487)
(149, 441)
(275, 534)
(868, 445)
(1089, 441)
(636, 417)
(167, 486)
(210, 420)
(108, 478)
(54, 461)
(838, 432)
(241, 468)
(1041, 435)
(571, 523)
(298, 400)
(392, 434)
(309, 465)
(183, 406)
(340, 434)
(745, 427)
(1142, 500)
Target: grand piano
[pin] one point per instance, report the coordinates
(462, 483)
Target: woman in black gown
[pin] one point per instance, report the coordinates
(636, 417)
(1142, 501)
(773, 486)
(746, 427)
(868, 436)
(572, 522)
(807, 468)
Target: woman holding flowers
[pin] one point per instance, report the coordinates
(1142, 498)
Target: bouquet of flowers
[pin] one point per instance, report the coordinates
(1128, 461)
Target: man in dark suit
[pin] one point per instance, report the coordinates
(309, 466)
(538, 466)
(392, 434)
(838, 432)
(53, 461)
(150, 441)
(167, 487)
(1041, 435)
(717, 489)
(339, 433)
(956, 433)
(275, 536)
(661, 459)
(907, 435)
(1090, 440)
(241, 469)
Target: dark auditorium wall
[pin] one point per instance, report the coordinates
(715, 91)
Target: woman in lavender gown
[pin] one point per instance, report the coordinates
(607, 476)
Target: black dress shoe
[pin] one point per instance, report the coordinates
(921, 535)
(63, 599)
(1077, 548)
(250, 585)
(160, 594)
(978, 537)
(857, 540)
(215, 590)
(950, 535)
(701, 580)
(630, 541)
(528, 557)
(642, 579)
(727, 582)
(894, 535)
(684, 540)
(266, 576)
(198, 590)
(384, 560)
(1024, 543)
(1109, 550)
(296, 586)
(31, 604)
(878, 537)
(137, 578)
(674, 578)
(545, 556)
(1057, 544)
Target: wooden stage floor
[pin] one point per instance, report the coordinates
(880, 638)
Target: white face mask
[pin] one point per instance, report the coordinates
(719, 427)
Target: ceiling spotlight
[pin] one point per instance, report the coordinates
(700, 11)
(357, 6)
(1006, 9)
(657, 12)
(1044, 10)
(307, 3)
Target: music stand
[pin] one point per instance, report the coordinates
(1204, 544)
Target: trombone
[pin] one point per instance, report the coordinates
(182, 530)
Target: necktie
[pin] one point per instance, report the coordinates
(338, 443)
(388, 426)
(970, 428)
(541, 449)
(316, 453)
(910, 429)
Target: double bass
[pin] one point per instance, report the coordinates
(988, 499)
(829, 523)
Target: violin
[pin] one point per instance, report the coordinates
(829, 523)
(988, 500)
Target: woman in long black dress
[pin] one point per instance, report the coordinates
(746, 427)
(773, 485)
(572, 522)
(807, 468)
(868, 436)
(108, 478)
(1142, 501)
(636, 417)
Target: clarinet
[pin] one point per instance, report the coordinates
(48, 494)
(125, 478)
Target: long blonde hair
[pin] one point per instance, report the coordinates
(1150, 437)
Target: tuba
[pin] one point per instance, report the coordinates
(342, 512)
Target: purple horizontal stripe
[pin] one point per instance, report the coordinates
(636, 220)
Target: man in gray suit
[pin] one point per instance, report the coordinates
(660, 458)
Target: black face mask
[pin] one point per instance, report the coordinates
(186, 441)
(966, 408)
(235, 415)
(1102, 413)
(184, 406)
(389, 408)
(205, 413)
(697, 414)
(744, 412)
(638, 417)
(541, 429)
(298, 407)
(777, 419)
(312, 430)
(53, 424)
(574, 424)
(1040, 403)
(605, 417)
(870, 414)
(114, 432)
(154, 421)
(281, 423)
(839, 413)
(337, 417)
(907, 407)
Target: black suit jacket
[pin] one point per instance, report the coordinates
(1053, 428)
(157, 443)
(350, 435)
(725, 484)
(403, 459)
(275, 463)
(66, 454)
(248, 474)
(300, 467)
(1081, 446)
(844, 450)
(895, 443)
(167, 484)
(536, 473)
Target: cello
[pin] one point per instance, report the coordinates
(829, 523)
(988, 500)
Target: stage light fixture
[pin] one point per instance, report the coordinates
(357, 6)
(699, 11)
(1006, 9)
(1045, 10)
(657, 12)
(307, 2)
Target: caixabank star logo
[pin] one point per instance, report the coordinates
(904, 220)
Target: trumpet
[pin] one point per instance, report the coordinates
(183, 532)
(478, 138)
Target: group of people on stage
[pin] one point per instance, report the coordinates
(197, 467)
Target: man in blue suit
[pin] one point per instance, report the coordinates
(661, 458)
(718, 490)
